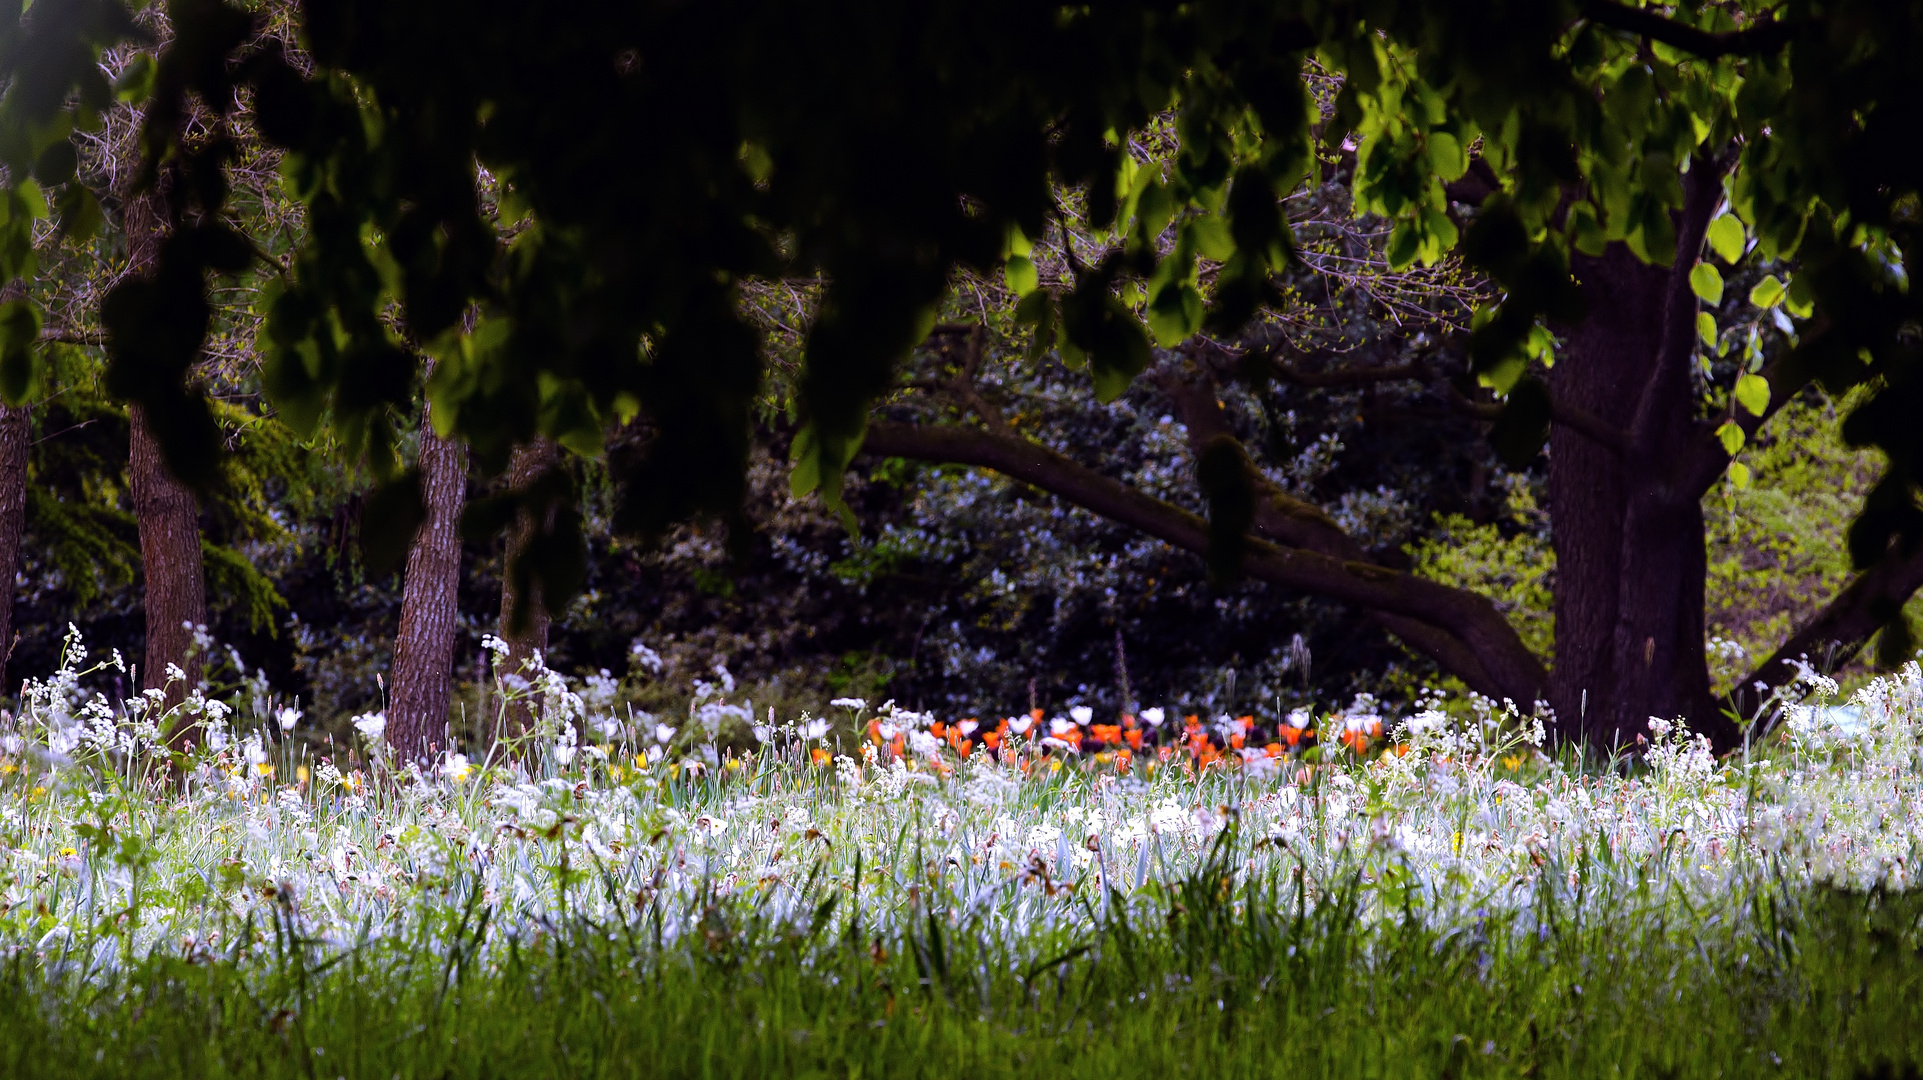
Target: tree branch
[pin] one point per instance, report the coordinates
(1837, 632)
(1294, 522)
(1579, 420)
(1707, 459)
(1517, 673)
(1766, 36)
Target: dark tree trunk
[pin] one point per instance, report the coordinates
(176, 597)
(1606, 362)
(16, 438)
(1658, 653)
(524, 616)
(424, 649)
(1628, 526)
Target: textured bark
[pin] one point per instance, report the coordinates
(1471, 618)
(16, 438)
(423, 675)
(176, 597)
(1658, 654)
(1509, 670)
(167, 512)
(525, 631)
(1607, 361)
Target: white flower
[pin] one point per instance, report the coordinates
(1298, 718)
(1020, 724)
(662, 733)
(849, 703)
(762, 732)
(457, 768)
(1153, 717)
(288, 718)
(644, 658)
(372, 726)
(814, 729)
(1082, 714)
(923, 743)
(1059, 726)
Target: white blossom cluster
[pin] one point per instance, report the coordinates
(666, 821)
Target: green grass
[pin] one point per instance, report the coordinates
(1204, 981)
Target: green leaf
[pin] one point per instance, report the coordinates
(1726, 238)
(1212, 238)
(1706, 327)
(1799, 299)
(1732, 437)
(1022, 276)
(1707, 282)
(1035, 308)
(1766, 293)
(1175, 315)
(136, 80)
(1404, 244)
(1446, 156)
(1739, 474)
(1752, 393)
(806, 456)
(19, 331)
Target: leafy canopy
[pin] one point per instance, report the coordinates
(650, 157)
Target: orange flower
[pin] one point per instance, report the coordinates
(874, 731)
(819, 756)
(1134, 737)
(1108, 734)
(1247, 722)
(1357, 741)
(1122, 761)
(1292, 735)
(1236, 740)
(1274, 750)
(993, 739)
(938, 729)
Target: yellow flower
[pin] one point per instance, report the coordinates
(1455, 844)
(68, 853)
(264, 768)
(37, 792)
(301, 773)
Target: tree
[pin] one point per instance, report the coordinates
(885, 149)
(421, 680)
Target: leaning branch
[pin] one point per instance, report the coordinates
(1838, 631)
(1766, 36)
(1294, 522)
(1518, 675)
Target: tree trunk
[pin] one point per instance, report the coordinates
(1606, 362)
(167, 512)
(1627, 526)
(524, 617)
(16, 438)
(422, 678)
(176, 597)
(1658, 649)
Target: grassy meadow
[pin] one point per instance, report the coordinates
(880, 892)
